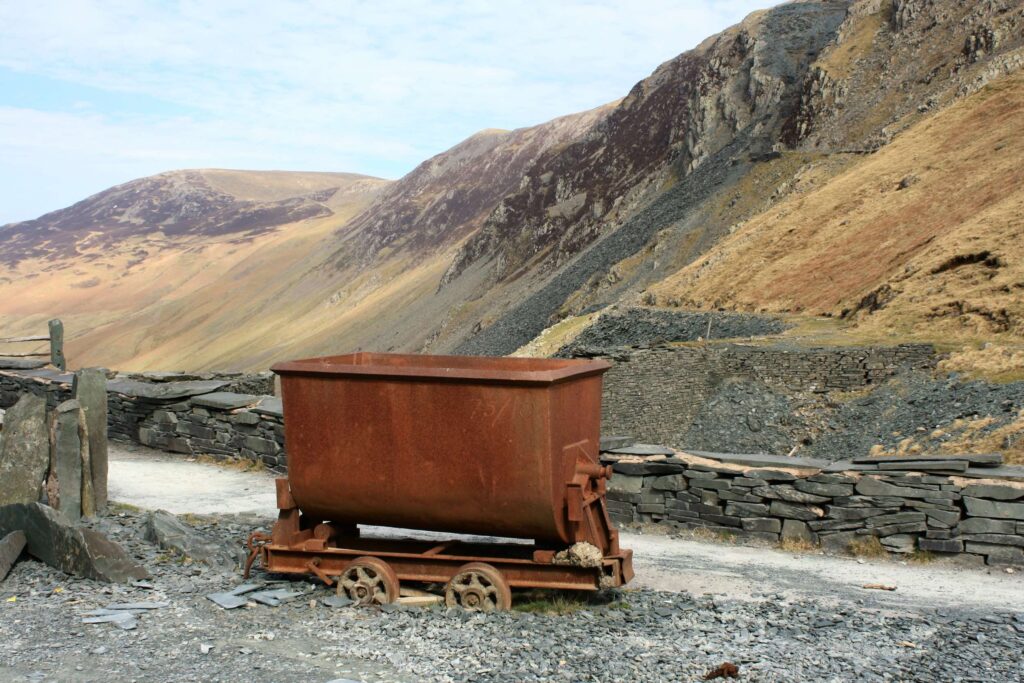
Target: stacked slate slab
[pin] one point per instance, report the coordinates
(945, 505)
(220, 423)
(196, 414)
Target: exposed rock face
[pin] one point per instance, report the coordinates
(447, 197)
(740, 85)
(26, 451)
(82, 552)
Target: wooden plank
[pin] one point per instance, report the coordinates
(26, 355)
(15, 340)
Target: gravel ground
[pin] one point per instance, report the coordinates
(642, 635)
(749, 417)
(639, 326)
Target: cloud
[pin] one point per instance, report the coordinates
(320, 85)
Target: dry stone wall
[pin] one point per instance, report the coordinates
(977, 513)
(654, 394)
(193, 415)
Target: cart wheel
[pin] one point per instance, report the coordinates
(369, 581)
(478, 587)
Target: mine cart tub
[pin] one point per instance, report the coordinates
(504, 447)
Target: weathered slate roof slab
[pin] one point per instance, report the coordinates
(163, 390)
(225, 400)
(643, 449)
(980, 459)
(22, 363)
(270, 405)
(764, 460)
(47, 374)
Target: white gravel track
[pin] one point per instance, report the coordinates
(155, 480)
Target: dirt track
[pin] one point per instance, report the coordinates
(154, 480)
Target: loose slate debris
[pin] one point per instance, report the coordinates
(227, 600)
(170, 533)
(274, 598)
(234, 598)
(123, 620)
(138, 605)
(337, 601)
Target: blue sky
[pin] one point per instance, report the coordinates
(97, 93)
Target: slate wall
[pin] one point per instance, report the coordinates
(978, 515)
(198, 417)
(654, 394)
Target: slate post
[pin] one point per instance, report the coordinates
(57, 345)
(69, 487)
(90, 390)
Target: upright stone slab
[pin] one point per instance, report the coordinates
(90, 389)
(26, 451)
(11, 546)
(69, 458)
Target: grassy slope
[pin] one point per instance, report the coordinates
(823, 251)
(191, 300)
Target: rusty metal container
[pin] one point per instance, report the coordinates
(491, 446)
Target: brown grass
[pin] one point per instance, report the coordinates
(839, 60)
(798, 545)
(992, 362)
(237, 464)
(966, 436)
(822, 252)
(867, 546)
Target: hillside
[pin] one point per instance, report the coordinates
(111, 264)
(852, 159)
(923, 238)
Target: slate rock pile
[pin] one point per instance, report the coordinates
(646, 326)
(969, 506)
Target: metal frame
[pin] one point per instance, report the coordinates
(298, 546)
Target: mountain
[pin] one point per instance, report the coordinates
(858, 160)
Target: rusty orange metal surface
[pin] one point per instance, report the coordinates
(445, 443)
(488, 446)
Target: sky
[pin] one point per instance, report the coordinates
(96, 93)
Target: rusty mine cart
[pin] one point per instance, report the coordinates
(498, 447)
